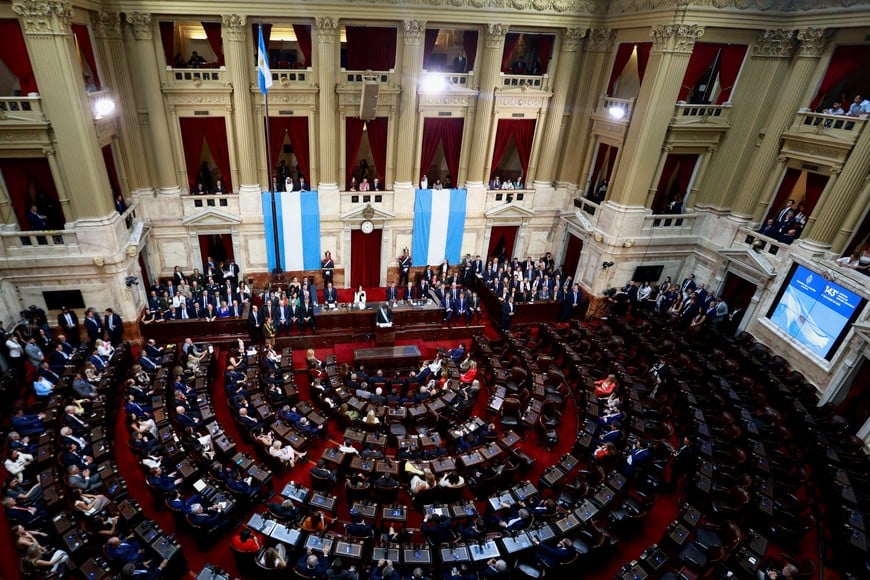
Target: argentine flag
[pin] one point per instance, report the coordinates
(264, 75)
(298, 219)
(439, 222)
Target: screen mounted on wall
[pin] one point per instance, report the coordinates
(815, 312)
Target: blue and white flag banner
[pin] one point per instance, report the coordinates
(297, 214)
(439, 223)
(264, 75)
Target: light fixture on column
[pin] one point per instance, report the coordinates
(617, 113)
(433, 83)
(103, 107)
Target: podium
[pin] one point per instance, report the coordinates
(385, 336)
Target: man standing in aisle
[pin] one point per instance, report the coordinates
(114, 326)
(69, 322)
(404, 267)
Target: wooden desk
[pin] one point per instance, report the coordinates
(388, 356)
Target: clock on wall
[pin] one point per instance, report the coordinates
(367, 227)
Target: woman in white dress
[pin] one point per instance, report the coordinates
(359, 297)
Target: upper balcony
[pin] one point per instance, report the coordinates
(537, 82)
(180, 78)
(192, 205)
(822, 139)
(17, 110)
(612, 116)
(698, 125)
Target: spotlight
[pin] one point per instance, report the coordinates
(103, 107)
(606, 265)
(131, 280)
(616, 113)
(433, 84)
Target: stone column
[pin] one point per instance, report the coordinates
(840, 195)
(577, 152)
(754, 98)
(490, 65)
(238, 64)
(700, 172)
(107, 32)
(750, 200)
(672, 48)
(657, 175)
(145, 58)
(853, 218)
(569, 40)
(50, 44)
(412, 64)
(326, 59)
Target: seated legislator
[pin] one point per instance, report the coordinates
(384, 318)
(359, 298)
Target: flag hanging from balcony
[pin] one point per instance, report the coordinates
(297, 216)
(264, 75)
(439, 222)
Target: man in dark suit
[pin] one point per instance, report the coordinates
(404, 267)
(307, 313)
(384, 317)
(572, 302)
(327, 266)
(409, 292)
(114, 326)
(93, 326)
(69, 322)
(330, 295)
(507, 313)
(255, 324)
(392, 292)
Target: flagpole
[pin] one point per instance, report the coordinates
(264, 88)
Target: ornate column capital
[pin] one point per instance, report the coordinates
(233, 27)
(601, 40)
(775, 43)
(49, 150)
(44, 16)
(571, 38)
(327, 29)
(106, 24)
(493, 35)
(141, 23)
(676, 37)
(812, 42)
(412, 32)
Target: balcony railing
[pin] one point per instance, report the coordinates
(613, 109)
(670, 224)
(21, 109)
(496, 197)
(194, 204)
(289, 78)
(359, 76)
(380, 200)
(540, 82)
(840, 127)
(773, 249)
(27, 243)
(195, 76)
(586, 205)
(687, 114)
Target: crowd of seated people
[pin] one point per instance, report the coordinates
(859, 260)
(506, 183)
(219, 293)
(788, 224)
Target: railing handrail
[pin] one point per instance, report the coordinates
(848, 123)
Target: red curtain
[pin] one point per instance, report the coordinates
(729, 67)
(643, 50)
(213, 33)
(469, 44)
(192, 135)
(365, 258)
(370, 48)
(501, 240)
(429, 46)
(510, 42)
(783, 193)
(167, 39)
(596, 167)
(353, 137)
(303, 39)
(216, 137)
(545, 50)
(20, 176)
(296, 128)
(816, 183)
(214, 131)
(845, 61)
(687, 168)
(623, 55)
(447, 132)
(611, 161)
(377, 130)
(522, 131)
(86, 51)
(663, 190)
(14, 56)
(109, 160)
(701, 59)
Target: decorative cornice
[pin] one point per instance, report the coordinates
(412, 32)
(775, 43)
(812, 42)
(233, 27)
(44, 16)
(106, 24)
(676, 37)
(616, 7)
(601, 40)
(571, 38)
(327, 29)
(494, 35)
(141, 23)
(587, 7)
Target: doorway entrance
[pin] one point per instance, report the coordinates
(365, 258)
(501, 242)
(572, 256)
(218, 246)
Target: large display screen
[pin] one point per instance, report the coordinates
(815, 312)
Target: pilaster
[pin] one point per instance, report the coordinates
(326, 64)
(490, 64)
(750, 200)
(109, 44)
(412, 63)
(238, 64)
(853, 217)
(145, 56)
(569, 41)
(51, 47)
(669, 58)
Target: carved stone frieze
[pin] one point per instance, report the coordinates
(589, 7)
(571, 39)
(444, 100)
(776, 43)
(188, 99)
(22, 136)
(676, 37)
(634, 6)
(106, 24)
(233, 26)
(812, 41)
(141, 24)
(44, 16)
(412, 32)
(601, 40)
(494, 35)
(521, 102)
(327, 29)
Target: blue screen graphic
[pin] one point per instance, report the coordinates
(814, 311)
